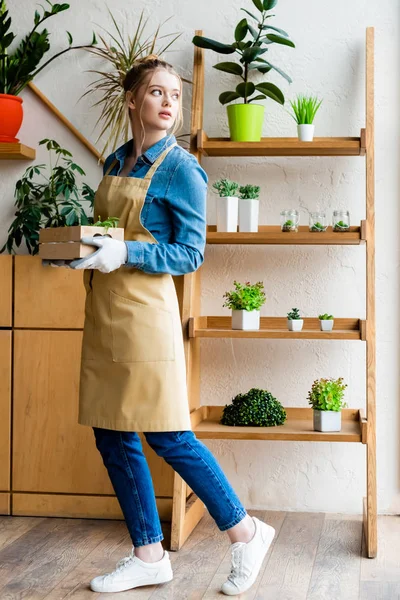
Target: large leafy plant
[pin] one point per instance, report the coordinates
(251, 53)
(20, 67)
(245, 297)
(53, 201)
(256, 408)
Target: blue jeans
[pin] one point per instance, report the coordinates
(131, 479)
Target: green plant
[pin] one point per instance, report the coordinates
(250, 53)
(245, 297)
(294, 314)
(340, 226)
(325, 317)
(120, 53)
(107, 223)
(257, 408)
(21, 66)
(318, 227)
(225, 187)
(327, 394)
(39, 203)
(305, 109)
(289, 225)
(249, 192)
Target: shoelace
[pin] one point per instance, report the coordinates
(237, 558)
(121, 564)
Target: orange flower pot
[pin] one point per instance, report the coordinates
(11, 115)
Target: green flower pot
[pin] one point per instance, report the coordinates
(245, 122)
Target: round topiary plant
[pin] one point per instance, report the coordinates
(257, 408)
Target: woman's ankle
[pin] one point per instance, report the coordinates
(242, 532)
(150, 553)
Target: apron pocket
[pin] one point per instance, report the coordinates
(140, 333)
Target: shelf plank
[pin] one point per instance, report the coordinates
(281, 146)
(272, 234)
(297, 427)
(276, 328)
(16, 152)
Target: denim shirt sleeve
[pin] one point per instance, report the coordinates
(186, 196)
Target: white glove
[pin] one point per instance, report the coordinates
(110, 255)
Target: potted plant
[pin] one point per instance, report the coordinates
(48, 197)
(290, 220)
(21, 66)
(318, 222)
(341, 220)
(227, 204)
(304, 111)
(248, 207)
(257, 408)
(326, 399)
(246, 119)
(294, 321)
(326, 322)
(245, 302)
(118, 53)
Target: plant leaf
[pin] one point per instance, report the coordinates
(209, 44)
(268, 4)
(226, 97)
(245, 89)
(229, 67)
(249, 13)
(272, 91)
(280, 40)
(241, 30)
(258, 4)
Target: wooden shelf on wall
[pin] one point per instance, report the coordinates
(280, 146)
(16, 152)
(276, 328)
(272, 234)
(297, 427)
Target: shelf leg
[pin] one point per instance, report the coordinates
(186, 514)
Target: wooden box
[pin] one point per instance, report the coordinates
(64, 242)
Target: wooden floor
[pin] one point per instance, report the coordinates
(314, 557)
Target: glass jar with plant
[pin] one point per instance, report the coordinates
(48, 196)
(21, 66)
(227, 204)
(294, 320)
(246, 119)
(256, 408)
(304, 110)
(290, 220)
(245, 302)
(326, 322)
(341, 220)
(318, 222)
(249, 207)
(326, 398)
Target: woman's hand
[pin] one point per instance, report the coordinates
(110, 255)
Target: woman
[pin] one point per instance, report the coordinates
(133, 375)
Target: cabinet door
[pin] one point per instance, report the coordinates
(47, 297)
(51, 451)
(5, 417)
(6, 291)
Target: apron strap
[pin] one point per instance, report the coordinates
(158, 162)
(110, 168)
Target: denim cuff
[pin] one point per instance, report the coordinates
(135, 254)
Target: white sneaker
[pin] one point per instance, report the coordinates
(247, 559)
(131, 572)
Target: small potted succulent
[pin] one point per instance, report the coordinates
(326, 399)
(227, 204)
(318, 222)
(290, 220)
(294, 321)
(256, 408)
(245, 302)
(341, 220)
(326, 322)
(248, 207)
(304, 111)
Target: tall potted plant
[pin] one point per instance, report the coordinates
(227, 204)
(249, 207)
(20, 67)
(326, 399)
(245, 302)
(246, 119)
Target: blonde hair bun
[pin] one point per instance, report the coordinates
(147, 58)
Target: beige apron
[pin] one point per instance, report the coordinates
(133, 373)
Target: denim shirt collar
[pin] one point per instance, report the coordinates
(151, 153)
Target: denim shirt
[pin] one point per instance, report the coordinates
(174, 210)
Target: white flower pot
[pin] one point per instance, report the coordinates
(227, 213)
(295, 324)
(327, 420)
(326, 324)
(305, 133)
(245, 319)
(248, 215)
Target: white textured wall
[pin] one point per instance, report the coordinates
(329, 60)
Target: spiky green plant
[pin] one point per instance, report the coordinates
(294, 314)
(120, 53)
(305, 109)
(249, 192)
(225, 187)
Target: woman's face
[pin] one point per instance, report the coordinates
(158, 105)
